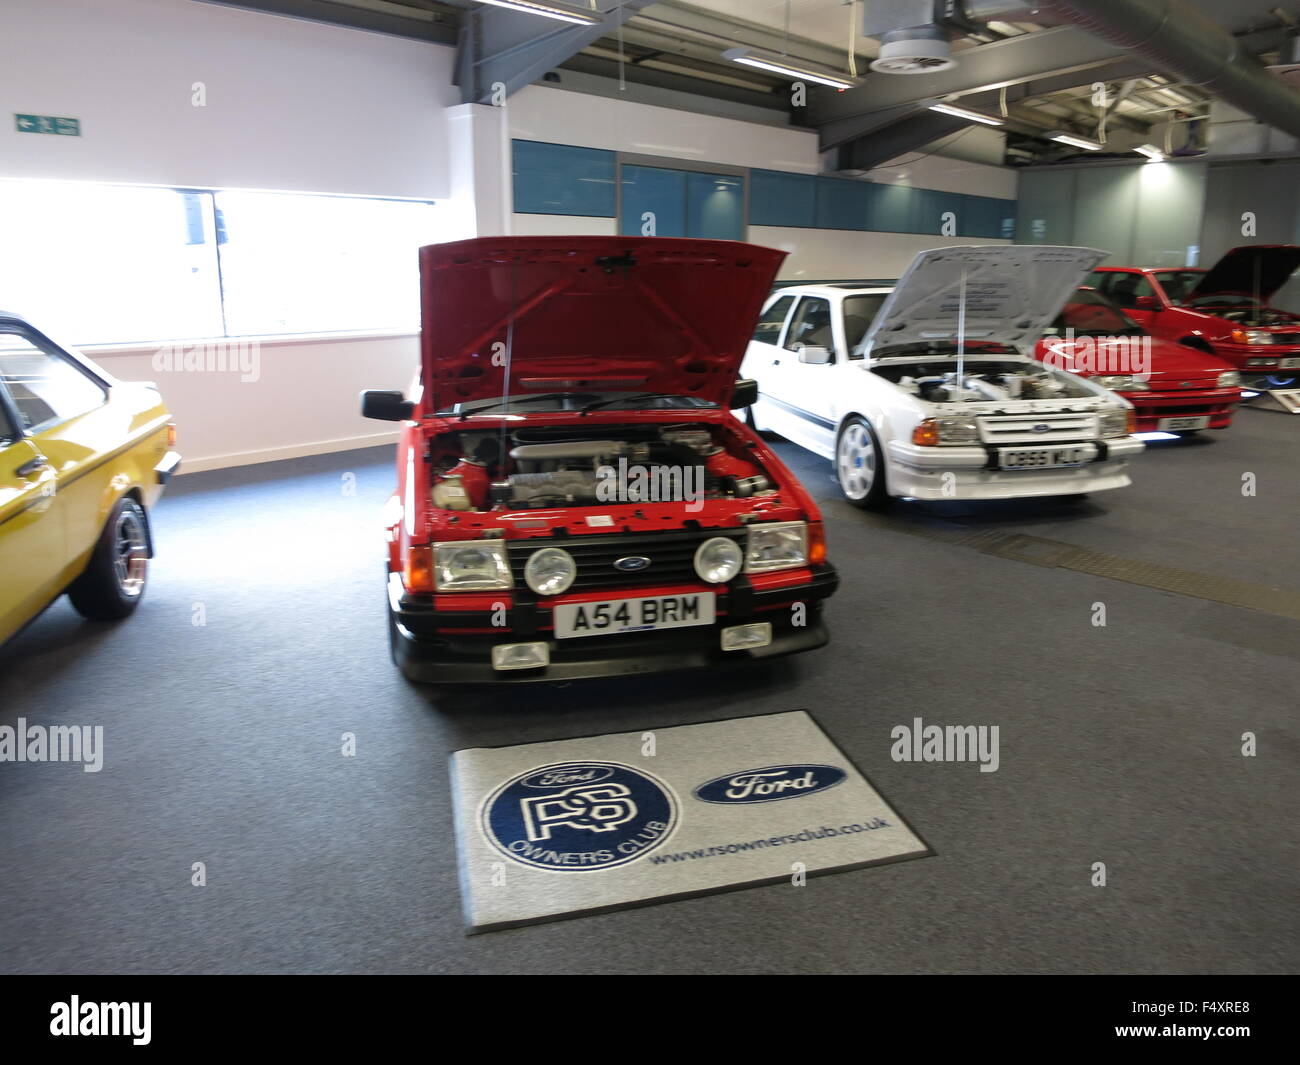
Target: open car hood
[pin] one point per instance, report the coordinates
(1012, 295)
(638, 314)
(1256, 267)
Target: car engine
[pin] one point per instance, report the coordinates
(557, 466)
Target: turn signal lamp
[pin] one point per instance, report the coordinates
(816, 544)
(418, 574)
(927, 433)
(171, 434)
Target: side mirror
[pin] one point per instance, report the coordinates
(815, 356)
(1146, 303)
(385, 406)
(745, 394)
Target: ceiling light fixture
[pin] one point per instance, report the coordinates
(966, 113)
(1153, 154)
(794, 69)
(550, 9)
(1077, 142)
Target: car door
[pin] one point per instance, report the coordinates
(62, 409)
(808, 392)
(31, 533)
(767, 363)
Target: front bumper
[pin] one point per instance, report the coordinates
(971, 472)
(425, 650)
(167, 467)
(1217, 404)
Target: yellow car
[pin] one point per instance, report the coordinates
(83, 458)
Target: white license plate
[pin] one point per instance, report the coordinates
(1041, 458)
(610, 617)
(1288, 364)
(1184, 423)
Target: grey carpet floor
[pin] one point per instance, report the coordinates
(1119, 745)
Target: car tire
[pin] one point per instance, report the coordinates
(859, 466)
(113, 582)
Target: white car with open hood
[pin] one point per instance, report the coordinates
(929, 390)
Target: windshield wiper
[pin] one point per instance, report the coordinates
(528, 398)
(637, 398)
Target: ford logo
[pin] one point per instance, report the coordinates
(1041, 427)
(632, 563)
(563, 776)
(770, 783)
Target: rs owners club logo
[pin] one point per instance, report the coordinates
(579, 816)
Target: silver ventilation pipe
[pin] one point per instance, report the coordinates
(1184, 43)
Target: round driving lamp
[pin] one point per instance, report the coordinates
(719, 559)
(550, 571)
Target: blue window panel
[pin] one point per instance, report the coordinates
(779, 199)
(894, 209)
(652, 190)
(715, 206)
(1007, 219)
(843, 203)
(563, 179)
(980, 216)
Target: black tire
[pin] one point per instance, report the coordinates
(113, 582)
(859, 466)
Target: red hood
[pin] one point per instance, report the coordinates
(642, 314)
(1254, 267)
(1171, 364)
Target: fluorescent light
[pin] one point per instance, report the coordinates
(966, 113)
(550, 9)
(793, 69)
(1078, 142)
(1152, 153)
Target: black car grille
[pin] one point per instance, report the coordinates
(1286, 338)
(671, 555)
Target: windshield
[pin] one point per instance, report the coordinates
(1090, 314)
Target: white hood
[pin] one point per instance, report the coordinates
(1012, 295)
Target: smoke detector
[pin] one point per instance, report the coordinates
(914, 50)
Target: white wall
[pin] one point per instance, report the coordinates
(303, 402)
(835, 254)
(544, 225)
(543, 113)
(945, 174)
(291, 105)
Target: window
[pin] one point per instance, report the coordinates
(769, 326)
(1178, 283)
(45, 385)
(105, 264)
(859, 313)
(563, 179)
(682, 203)
(1127, 288)
(811, 326)
(312, 264)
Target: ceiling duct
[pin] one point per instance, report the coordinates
(1181, 41)
(912, 41)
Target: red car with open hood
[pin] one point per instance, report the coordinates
(1173, 388)
(575, 496)
(1223, 311)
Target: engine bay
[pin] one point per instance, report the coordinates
(546, 466)
(982, 381)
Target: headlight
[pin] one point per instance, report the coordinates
(471, 566)
(1231, 379)
(950, 429)
(781, 545)
(550, 571)
(1116, 423)
(1252, 336)
(1122, 383)
(718, 560)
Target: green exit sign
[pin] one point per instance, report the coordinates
(61, 127)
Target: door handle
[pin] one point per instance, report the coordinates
(776, 362)
(31, 466)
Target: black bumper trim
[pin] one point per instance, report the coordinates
(461, 658)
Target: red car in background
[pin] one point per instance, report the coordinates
(575, 496)
(1222, 311)
(1173, 388)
